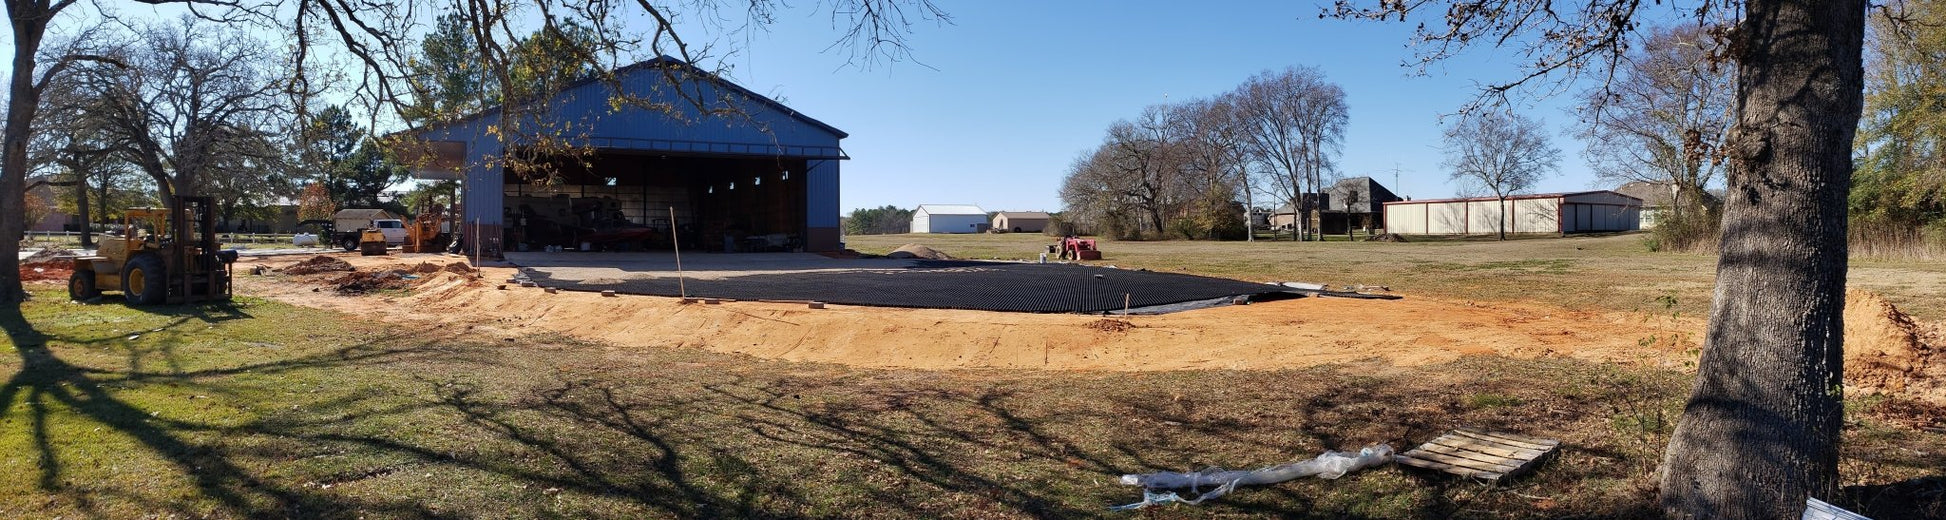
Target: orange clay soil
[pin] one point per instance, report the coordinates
(1885, 350)
(1290, 333)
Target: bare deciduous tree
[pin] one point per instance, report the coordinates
(1500, 153)
(189, 101)
(1664, 117)
(1760, 432)
(1293, 123)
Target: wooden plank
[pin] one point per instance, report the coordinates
(1502, 450)
(1436, 466)
(1509, 462)
(1508, 438)
(1460, 461)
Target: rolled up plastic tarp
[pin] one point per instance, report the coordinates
(1331, 465)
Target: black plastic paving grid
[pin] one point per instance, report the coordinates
(988, 286)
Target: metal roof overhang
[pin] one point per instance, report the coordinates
(706, 148)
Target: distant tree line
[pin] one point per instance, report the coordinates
(1898, 192)
(884, 220)
(1190, 169)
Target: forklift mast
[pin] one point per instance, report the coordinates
(197, 269)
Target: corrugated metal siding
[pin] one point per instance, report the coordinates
(948, 223)
(1535, 216)
(1405, 219)
(821, 194)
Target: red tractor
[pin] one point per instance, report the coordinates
(1076, 248)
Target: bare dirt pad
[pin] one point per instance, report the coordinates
(1283, 334)
(1886, 351)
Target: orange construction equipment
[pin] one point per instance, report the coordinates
(423, 234)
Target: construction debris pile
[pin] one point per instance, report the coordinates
(361, 282)
(50, 264)
(318, 264)
(346, 279)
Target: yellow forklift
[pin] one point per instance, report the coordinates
(161, 256)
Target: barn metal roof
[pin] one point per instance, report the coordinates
(1514, 197)
(951, 209)
(653, 63)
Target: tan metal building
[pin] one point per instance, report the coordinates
(1021, 221)
(1553, 213)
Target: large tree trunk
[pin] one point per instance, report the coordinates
(1760, 432)
(29, 24)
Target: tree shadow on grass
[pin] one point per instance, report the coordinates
(45, 380)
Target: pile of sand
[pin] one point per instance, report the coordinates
(919, 252)
(1885, 351)
(459, 268)
(318, 264)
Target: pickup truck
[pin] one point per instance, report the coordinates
(347, 225)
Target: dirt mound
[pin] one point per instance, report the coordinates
(48, 255)
(1388, 237)
(458, 268)
(1885, 351)
(318, 264)
(361, 282)
(1108, 325)
(918, 251)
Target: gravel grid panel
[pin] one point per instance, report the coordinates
(987, 286)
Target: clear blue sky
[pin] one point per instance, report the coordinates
(1016, 89)
(1002, 100)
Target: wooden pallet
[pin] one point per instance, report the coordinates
(1483, 454)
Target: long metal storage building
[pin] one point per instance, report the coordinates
(1558, 213)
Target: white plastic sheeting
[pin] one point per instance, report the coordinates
(1331, 465)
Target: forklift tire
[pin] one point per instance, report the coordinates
(144, 281)
(81, 286)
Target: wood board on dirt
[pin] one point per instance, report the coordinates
(1482, 454)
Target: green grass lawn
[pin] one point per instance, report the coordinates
(1615, 272)
(259, 409)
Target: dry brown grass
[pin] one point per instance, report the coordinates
(1615, 272)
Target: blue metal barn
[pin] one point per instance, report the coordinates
(739, 171)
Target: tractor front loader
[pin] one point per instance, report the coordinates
(161, 256)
